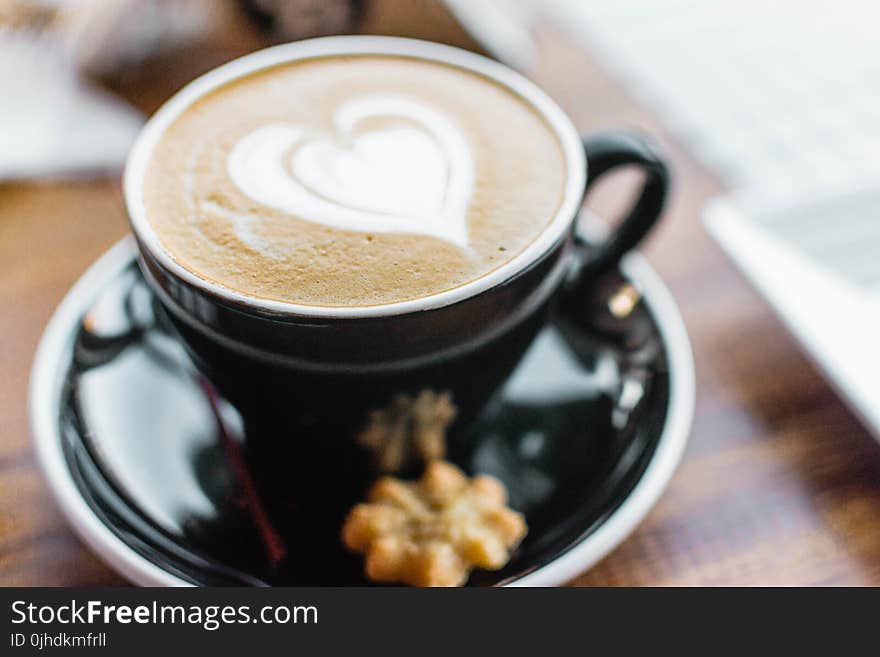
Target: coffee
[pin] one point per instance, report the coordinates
(353, 180)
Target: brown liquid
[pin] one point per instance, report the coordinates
(212, 227)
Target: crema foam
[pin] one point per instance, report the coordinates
(353, 180)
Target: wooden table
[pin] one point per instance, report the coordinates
(780, 484)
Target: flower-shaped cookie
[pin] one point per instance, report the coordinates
(433, 531)
(410, 430)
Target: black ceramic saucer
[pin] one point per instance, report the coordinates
(155, 476)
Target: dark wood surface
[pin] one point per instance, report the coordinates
(780, 483)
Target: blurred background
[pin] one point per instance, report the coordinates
(770, 112)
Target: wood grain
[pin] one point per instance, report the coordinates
(780, 484)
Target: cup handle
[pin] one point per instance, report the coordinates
(606, 152)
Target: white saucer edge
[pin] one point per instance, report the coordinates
(44, 409)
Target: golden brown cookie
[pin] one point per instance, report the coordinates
(434, 531)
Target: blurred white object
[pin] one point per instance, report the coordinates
(52, 124)
(502, 27)
(110, 36)
(836, 321)
(782, 100)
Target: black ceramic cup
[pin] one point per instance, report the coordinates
(308, 380)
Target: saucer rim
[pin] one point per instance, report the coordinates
(47, 380)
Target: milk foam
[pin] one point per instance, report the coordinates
(353, 181)
(413, 175)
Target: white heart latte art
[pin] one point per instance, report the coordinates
(413, 177)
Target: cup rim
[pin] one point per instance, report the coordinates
(554, 231)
